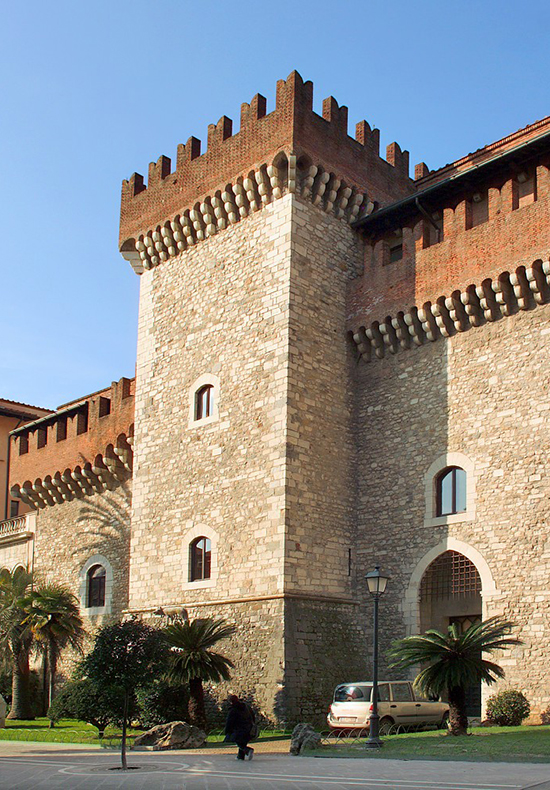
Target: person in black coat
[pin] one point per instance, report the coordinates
(238, 727)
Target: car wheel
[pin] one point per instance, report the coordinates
(444, 723)
(386, 725)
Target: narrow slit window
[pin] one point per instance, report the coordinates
(96, 586)
(204, 402)
(201, 559)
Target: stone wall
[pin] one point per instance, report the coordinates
(69, 534)
(480, 396)
(219, 310)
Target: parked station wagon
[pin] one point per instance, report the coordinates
(398, 704)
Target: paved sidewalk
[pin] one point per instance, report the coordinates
(39, 766)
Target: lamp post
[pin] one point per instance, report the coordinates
(376, 583)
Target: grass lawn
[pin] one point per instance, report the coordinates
(484, 744)
(73, 731)
(65, 731)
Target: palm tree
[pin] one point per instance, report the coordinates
(193, 661)
(53, 616)
(454, 661)
(16, 638)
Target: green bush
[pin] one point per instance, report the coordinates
(87, 701)
(508, 708)
(161, 702)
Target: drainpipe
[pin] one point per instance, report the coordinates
(428, 216)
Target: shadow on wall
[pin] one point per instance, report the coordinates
(105, 520)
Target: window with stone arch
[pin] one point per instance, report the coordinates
(200, 559)
(204, 398)
(451, 491)
(96, 585)
(95, 592)
(199, 556)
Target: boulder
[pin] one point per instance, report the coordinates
(175, 735)
(304, 737)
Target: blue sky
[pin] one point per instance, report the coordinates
(92, 92)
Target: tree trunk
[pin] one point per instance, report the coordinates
(52, 660)
(458, 720)
(21, 707)
(45, 670)
(123, 741)
(197, 713)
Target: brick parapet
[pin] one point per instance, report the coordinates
(508, 239)
(293, 128)
(57, 454)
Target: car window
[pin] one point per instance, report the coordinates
(350, 693)
(401, 692)
(384, 692)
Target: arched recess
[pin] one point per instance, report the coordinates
(451, 584)
(411, 601)
(96, 559)
(207, 379)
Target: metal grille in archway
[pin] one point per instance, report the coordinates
(450, 575)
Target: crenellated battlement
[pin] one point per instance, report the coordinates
(84, 446)
(292, 129)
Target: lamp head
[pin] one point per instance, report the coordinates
(376, 581)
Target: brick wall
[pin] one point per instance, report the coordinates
(58, 453)
(508, 239)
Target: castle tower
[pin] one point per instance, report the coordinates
(243, 482)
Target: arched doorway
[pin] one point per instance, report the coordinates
(450, 592)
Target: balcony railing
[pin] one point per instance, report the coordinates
(13, 525)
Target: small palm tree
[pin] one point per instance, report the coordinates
(53, 615)
(193, 661)
(454, 661)
(16, 638)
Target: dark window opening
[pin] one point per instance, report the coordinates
(396, 253)
(41, 437)
(204, 402)
(96, 586)
(451, 491)
(104, 406)
(61, 429)
(201, 554)
(24, 445)
(14, 508)
(82, 422)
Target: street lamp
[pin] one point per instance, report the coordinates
(376, 583)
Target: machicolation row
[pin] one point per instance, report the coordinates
(493, 299)
(107, 471)
(244, 197)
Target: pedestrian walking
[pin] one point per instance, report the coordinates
(239, 726)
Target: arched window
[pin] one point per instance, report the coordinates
(200, 559)
(451, 491)
(204, 402)
(96, 586)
